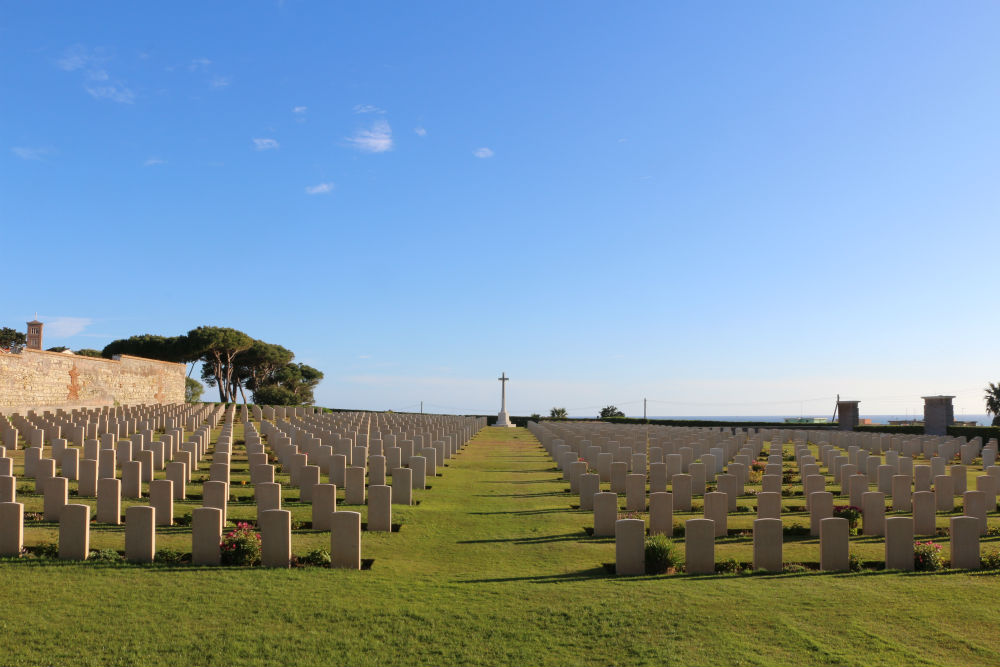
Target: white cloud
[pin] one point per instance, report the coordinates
(421, 132)
(483, 152)
(153, 161)
(199, 63)
(219, 82)
(265, 144)
(321, 189)
(376, 140)
(64, 327)
(112, 92)
(299, 110)
(26, 153)
(98, 83)
(367, 108)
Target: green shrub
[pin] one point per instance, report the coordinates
(796, 529)
(729, 565)
(241, 546)
(168, 556)
(854, 563)
(661, 554)
(991, 560)
(319, 557)
(927, 557)
(105, 556)
(47, 550)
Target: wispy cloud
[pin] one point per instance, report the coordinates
(421, 132)
(367, 108)
(378, 139)
(483, 153)
(321, 189)
(219, 82)
(265, 144)
(153, 161)
(299, 110)
(26, 153)
(199, 63)
(97, 81)
(64, 327)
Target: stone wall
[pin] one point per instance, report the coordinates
(38, 380)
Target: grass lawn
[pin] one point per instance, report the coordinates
(493, 567)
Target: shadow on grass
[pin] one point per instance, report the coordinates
(541, 539)
(582, 575)
(519, 512)
(541, 494)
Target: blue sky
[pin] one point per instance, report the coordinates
(728, 208)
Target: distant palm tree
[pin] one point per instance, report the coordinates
(558, 413)
(993, 402)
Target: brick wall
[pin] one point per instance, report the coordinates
(34, 380)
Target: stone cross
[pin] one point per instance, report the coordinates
(503, 419)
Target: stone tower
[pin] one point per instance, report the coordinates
(34, 335)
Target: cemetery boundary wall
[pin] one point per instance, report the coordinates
(39, 380)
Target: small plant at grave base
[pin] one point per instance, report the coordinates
(756, 466)
(168, 556)
(991, 560)
(317, 557)
(47, 550)
(796, 529)
(629, 515)
(793, 568)
(729, 566)
(854, 563)
(661, 555)
(241, 546)
(993, 531)
(927, 557)
(849, 512)
(787, 477)
(182, 520)
(105, 556)
(33, 516)
(679, 530)
(755, 476)
(787, 491)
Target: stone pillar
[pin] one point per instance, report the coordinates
(161, 498)
(354, 489)
(974, 505)
(324, 504)
(345, 540)
(177, 474)
(717, 510)
(834, 544)
(619, 469)
(380, 508)
(938, 414)
(899, 543)
(965, 543)
(308, 478)
(402, 484)
(812, 484)
(630, 546)
(56, 497)
(661, 513)
(576, 470)
(901, 494)
(216, 494)
(924, 515)
(605, 513)
(847, 412)
(376, 470)
(768, 505)
(873, 513)
(8, 489)
(657, 477)
(268, 497)
(767, 543)
(70, 464)
(338, 465)
(140, 533)
(699, 546)
(74, 532)
(276, 537)
(132, 479)
(728, 484)
(418, 464)
(109, 501)
(681, 487)
(944, 493)
(45, 470)
(820, 507)
(206, 535)
(635, 492)
(988, 485)
(590, 484)
(11, 528)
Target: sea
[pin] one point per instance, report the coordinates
(981, 420)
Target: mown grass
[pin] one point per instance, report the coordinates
(492, 568)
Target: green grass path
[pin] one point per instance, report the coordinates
(492, 568)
